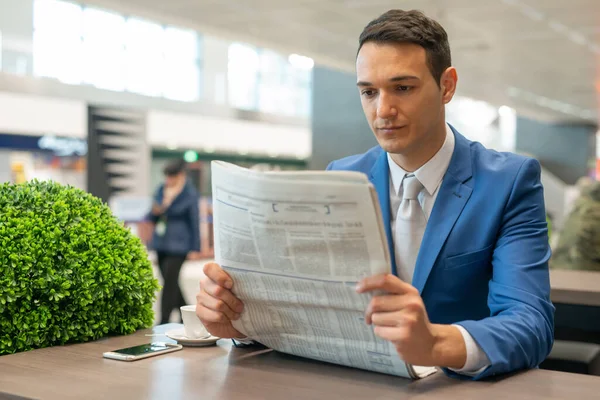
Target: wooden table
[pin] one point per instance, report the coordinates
(223, 372)
(575, 287)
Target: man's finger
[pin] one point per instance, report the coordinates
(219, 292)
(218, 305)
(395, 318)
(391, 333)
(210, 316)
(386, 318)
(390, 303)
(216, 274)
(386, 282)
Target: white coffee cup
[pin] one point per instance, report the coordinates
(194, 329)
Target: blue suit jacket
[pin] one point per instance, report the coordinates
(183, 223)
(483, 262)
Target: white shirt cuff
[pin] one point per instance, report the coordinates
(477, 360)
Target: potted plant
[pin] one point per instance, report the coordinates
(69, 270)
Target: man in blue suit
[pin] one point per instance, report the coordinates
(466, 226)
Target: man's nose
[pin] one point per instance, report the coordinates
(386, 108)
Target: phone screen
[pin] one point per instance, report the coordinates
(144, 349)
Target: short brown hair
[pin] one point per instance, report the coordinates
(174, 167)
(399, 26)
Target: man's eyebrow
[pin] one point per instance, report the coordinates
(399, 78)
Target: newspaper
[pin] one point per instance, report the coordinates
(296, 244)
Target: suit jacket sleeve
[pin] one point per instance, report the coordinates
(519, 333)
(195, 218)
(157, 199)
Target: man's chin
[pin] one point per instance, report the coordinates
(393, 147)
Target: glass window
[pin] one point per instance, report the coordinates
(57, 57)
(144, 60)
(182, 82)
(57, 45)
(58, 17)
(181, 44)
(181, 73)
(271, 93)
(299, 76)
(301, 79)
(284, 84)
(104, 49)
(242, 76)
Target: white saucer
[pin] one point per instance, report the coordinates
(179, 336)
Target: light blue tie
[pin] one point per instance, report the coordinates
(409, 228)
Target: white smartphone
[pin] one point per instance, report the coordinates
(142, 351)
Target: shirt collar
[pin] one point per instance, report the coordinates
(432, 172)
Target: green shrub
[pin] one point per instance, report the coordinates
(69, 270)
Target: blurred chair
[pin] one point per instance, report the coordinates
(575, 357)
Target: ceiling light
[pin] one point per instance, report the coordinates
(558, 27)
(568, 109)
(532, 13)
(544, 102)
(587, 114)
(475, 113)
(557, 105)
(301, 62)
(552, 104)
(577, 38)
(505, 111)
(513, 92)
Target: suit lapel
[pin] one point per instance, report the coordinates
(450, 202)
(380, 176)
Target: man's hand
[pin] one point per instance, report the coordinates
(399, 316)
(157, 209)
(216, 306)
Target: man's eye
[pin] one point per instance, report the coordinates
(368, 92)
(404, 88)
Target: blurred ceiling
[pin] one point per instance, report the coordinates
(540, 57)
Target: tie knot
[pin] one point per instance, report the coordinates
(412, 187)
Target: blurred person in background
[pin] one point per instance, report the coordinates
(578, 244)
(176, 236)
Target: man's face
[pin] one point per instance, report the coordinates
(174, 180)
(401, 100)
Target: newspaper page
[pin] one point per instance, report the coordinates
(296, 245)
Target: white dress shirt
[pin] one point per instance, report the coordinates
(431, 175)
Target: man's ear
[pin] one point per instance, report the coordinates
(448, 82)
